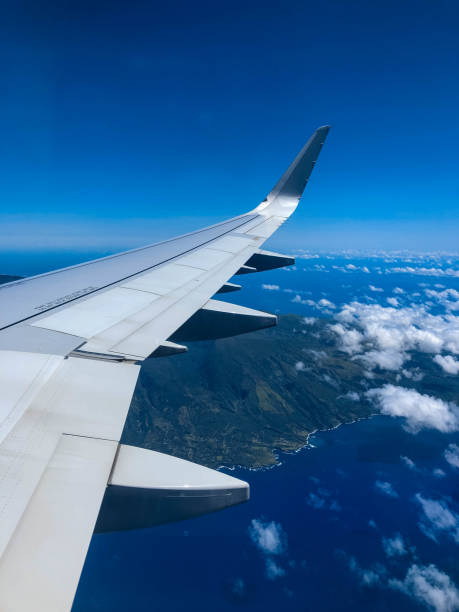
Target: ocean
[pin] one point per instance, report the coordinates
(329, 520)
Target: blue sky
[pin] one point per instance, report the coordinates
(124, 123)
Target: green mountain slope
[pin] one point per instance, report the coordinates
(233, 401)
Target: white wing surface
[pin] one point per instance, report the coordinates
(71, 345)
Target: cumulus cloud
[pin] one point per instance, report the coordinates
(309, 320)
(350, 339)
(408, 462)
(415, 375)
(322, 501)
(351, 268)
(269, 538)
(319, 355)
(385, 360)
(323, 304)
(437, 518)
(273, 569)
(271, 541)
(366, 576)
(430, 587)
(448, 363)
(394, 547)
(376, 289)
(299, 366)
(383, 336)
(353, 396)
(398, 290)
(299, 300)
(427, 585)
(385, 488)
(308, 256)
(451, 455)
(420, 411)
(423, 271)
(449, 298)
(392, 301)
(270, 287)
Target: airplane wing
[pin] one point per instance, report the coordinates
(71, 345)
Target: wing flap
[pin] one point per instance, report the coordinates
(41, 566)
(84, 398)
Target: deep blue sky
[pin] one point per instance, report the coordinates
(123, 123)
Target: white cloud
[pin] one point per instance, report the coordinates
(373, 288)
(350, 339)
(385, 488)
(392, 301)
(308, 256)
(438, 473)
(322, 501)
(351, 395)
(367, 577)
(386, 334)
(351, 268)
(385, 360)
(448, 363)
(309, 320)
(429, 586)
(270, 287)
(451, 455)
(408, 462)
(273, 569)
(299, 300)
(449, 298)
(394, 547)
(415, 375)
(437, 517)
(420, 411)
(323, 303)
(423, 271)
(316, 501)
(299, 366)
(398, 290)
(269, 538)
(318, 355)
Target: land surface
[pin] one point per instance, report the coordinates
(235, 400)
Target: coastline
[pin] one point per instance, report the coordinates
(276, 452)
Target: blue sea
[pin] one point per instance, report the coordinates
(213, 563)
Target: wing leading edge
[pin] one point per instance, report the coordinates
(71, 345)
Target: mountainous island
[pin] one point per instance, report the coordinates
(234, 401)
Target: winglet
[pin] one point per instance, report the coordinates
(292, 183)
